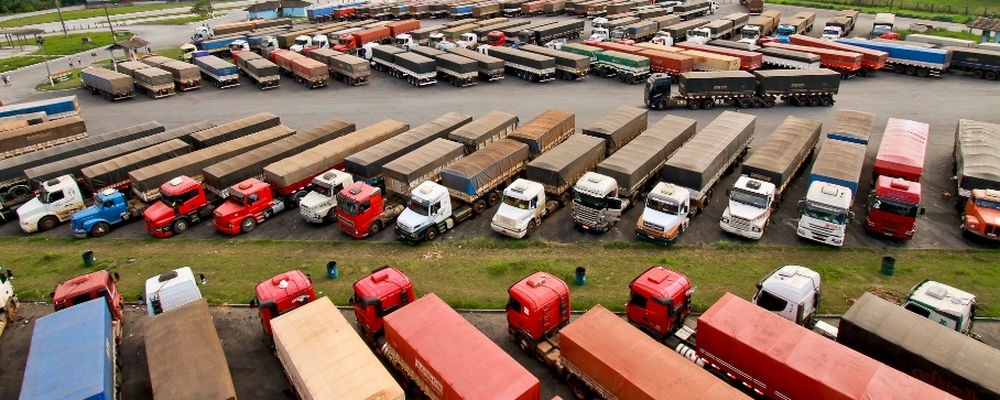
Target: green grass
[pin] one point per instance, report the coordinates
(98, 12)
(956, 14)
(12, 63)
(476, 273)
(173, 21)
(964, 34)
(57, 46)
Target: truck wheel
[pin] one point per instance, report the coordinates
(758, 103)
(768, 102)
(530, 230)
(181, 225)
(661, 105)
(742, 103)
(922, 72)
(825, 101)
(248, 224)
(990, 75)
(47, 222)
(492, 198)
(432, 233)
(374, 228)
(579, 389)
(911, 70)
(863, 72)
(708, 104)
(694, 104)
(479, 207)
(296, 197)
(794, 100)
(526, 345)
(813, 101)
(100, 229)
(978, 74)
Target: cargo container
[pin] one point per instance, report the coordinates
(525, 65)
(55, 108)
(182, 346)
(186, 76)
(109, 84)
(980, 63)
(545, 131)
(748, 61)
(490, 68)
(847, 63)
(712, 62)
(911, 60)
(666, 62)
(569, 66)
(221, 73)
(29, 138)
(872, 59)
(977, 170)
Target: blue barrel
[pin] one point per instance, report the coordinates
(888, 265)
(89, 259)
(581, 276)
(331, 270)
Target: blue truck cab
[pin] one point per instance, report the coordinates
(110, 208)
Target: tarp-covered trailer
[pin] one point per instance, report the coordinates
(633, 165)
(618, 127)
(977, 155)
(484, 130)
(185, 355)
(405, 173)
(545, 131)
(29, 138)
(235, 129)
(367, 164)
(559, 169)
(484, 170)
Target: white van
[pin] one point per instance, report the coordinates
(171, 290)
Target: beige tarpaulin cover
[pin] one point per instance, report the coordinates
(545, 131)
(129, 67)
(425, 163)
(325, 358)
(561, 167)
(705, 156)
(185, 356)
(107, 80)
(619, 126)
(855, 126)
(474, 174)
(977, 154)
(330, 154)
(839, 162)
(367, 164)
(785, 149)
(117, 169)
(645, 154)
(487, 129)
(234, 129)
(251, 164)
(40, 133)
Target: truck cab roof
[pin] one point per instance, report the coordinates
(669, 191)
(179, 184)
(793, 283)
(285, 288)
(662, 285)
(595, 184)
(754, 185)
(539, 290)
(898, 189)
(830, 194)
(429, 192)
(523, 189)
(359, 191)
(79, 289)
(942, 298)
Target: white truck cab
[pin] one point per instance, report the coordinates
(317, 206)
(943, 304)
(429, 207)
(825, 213)
(171, 290)
(598, 23)
(598, 35)
(699, 35)
(321, 42)
(750, 35)
(57, 200)
(596, 205)
(468, 40)
(749, 209)
(792, 292)
(832, 33)
(663, 39)
(202, 33)
(522, 209)
(239, 45)
(8, 300)
(666, 214)
(405, 41)
(301, 42)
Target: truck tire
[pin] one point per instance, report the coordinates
(181, 225)
(694, 104)
(990, 75)
(708, 104)
(660, 105)
(911, 70)
(100, 229)
(742, 102)
(579, 389)
(479, 206)
(525, 343)
(757, 103)
(248, 224)
(530, 229)
(47, 222)
(899, 69)
(922, 72)
(432, 233)
(374, 228)
(863, 72)
(768, 102)
(492, 198)
(794, 100)
(978, 73)
(826, 101)
(296, 197)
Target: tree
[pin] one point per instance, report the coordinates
(203, 8)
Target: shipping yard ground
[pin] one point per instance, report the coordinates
(257, 375)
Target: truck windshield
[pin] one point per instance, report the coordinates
(588, 200)
(662, 205)
(697, 33)
(831, 32)
(894, 207)
(836, 217)
(748, 198)
(344, 41)
(986, 203)
(348, 206)
(237, 197)
(401, 40)
(516, 202)
(750, 33)
(301, 42)
(418, 207)
(325, 190)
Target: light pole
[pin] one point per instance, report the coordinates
(113, 37)
(45, 59)
(65, 34)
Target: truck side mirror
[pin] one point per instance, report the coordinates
(850, 216)
(202, 276)
(802, 205)
(254, 303)
(115, 276)
(922, 210)
(52, 296)
(729, 192)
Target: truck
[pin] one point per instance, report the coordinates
(525, 65)
(54, 108)
(748, 60)
(568, 30)
(940, 41)
(8, 300)
(484, 11)
(872, 59)
(766, 174)
(110, 207)
(833, 186)
(635, 32)
(978, 199)
(512, 8)
(98, 285)
(431, 346)
(904, 346)
(753, 6)
(493, 35)
(695, 8)
(490, 68)
(261, 71)
(87, 333)
(241, 27)
(417, 69)
(613, 60)
(712, 62)
(221, 73)
(187, 336)
(739, 20)
(547, 184)
(848, 63)
(171, 290)
(352, 70)
(186, 76)
(457, 70)
(667, 62)
(757, 28)
(569, 66)
(152, 81)
(554, 7)
(30, 138)
(587, 352)
(111, 85)
(977, 62)
(763, 88)
(799, 24)
(484, 130)
(884, 22)
(353, 43)
(894, 203)
(249, 203)
(910, 60)
(781, 58)
(281, 294)
(600, 197)
(321, 168)
(838, 27)
(467, 187)
(545, 131)
(402, 175)
(718, 29)
(678, 32)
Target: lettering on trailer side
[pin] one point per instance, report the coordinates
(760, 177)
(720, 87)
(798, 85)
(40, 135)
(936, 380)
(428, 378)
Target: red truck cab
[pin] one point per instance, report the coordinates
(359, 210)
(95, 285)
(386, 290)
(659, 301)
(345, 43)
(893, 207)
(496, 38)
(537, 307)
(249, 203)
(182, 202)
(281, 294)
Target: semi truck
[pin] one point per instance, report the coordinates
(884, 22)
(628, 68)
(152, 81)
(635, 32)
(872, 59)
(833, 186)
(354, 71)
(840, 25)
(457, 70)
(977, 171)
(800, 23)
(545, 131)
(354, 43)
(712, 62)
(29, 138)
(718, 29)
(187, 337)
(467, 188)
(490, 68)
(567, 30)
(221, 73)
(760, 189)
(977, 62)
(753, 6)
(111, 85)
(598, 353)
(261, 71)
(848, 63)
(911, 60)
(546, 186)
(782, 58)
(186, 76)
(569, 66)
(894, 203)
(762, 88)
(695, 8)
(525, 65)
(759, 27)
(54, 108)
(600, 197)
(249, 203)
(677, 32)
(416, 69)
(171, 290)
(748, 60)
(63, 341)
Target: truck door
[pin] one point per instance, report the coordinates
(784, 308)
(642, 312)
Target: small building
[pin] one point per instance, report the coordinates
(267, 10)
(277, 9)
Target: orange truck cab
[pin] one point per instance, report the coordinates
(659, 301)
(182, 203)
(95, 285)
(281, 294)
(250, 202)
(982, 214)
(496, 38)
(361, 210)
(386, 290)
(538, 306)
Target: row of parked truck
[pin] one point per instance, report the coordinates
(773, 345)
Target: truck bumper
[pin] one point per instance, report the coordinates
(411, 238)
(514, 233)
(825, 239)
(227, 227)
(80, 233)
(975, 233)
(655, 239)
(749, 234)
(592, 227)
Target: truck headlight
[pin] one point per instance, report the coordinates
(724, 220)
(755, 228)
(871, 223)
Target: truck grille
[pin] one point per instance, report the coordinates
(345, 221)
(742, 224)
(991, 230)
(651, 226)
(820, 229)
(504, 221)
(585, 214)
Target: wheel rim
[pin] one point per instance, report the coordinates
(180, 226)
(247, 225)
(431, 234)
(47, 223)
(374, 228)
(991, 76)
(100, 229)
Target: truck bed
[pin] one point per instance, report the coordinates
(26, 139)
(903, 149)
(548, 129)
(631, 165)
(977, 154)
(784, 151)
(367, 164)
(618, 127)
(183, 347)
(852, 126)
(483, 170)
(484, 130)
(234, 129)
(559, 169)
(839, 163)
(425, 163)
(699, 163)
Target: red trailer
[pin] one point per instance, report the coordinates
(895, 205)
(847, 63)
(671, 63)
(903, 148)
(283, 59)
(448, 358)
(532, 7)
(311, 73)
(404, 26)
(344, 13)
(749, 60)
(782, 360)
(619, 47)
(871, 60)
